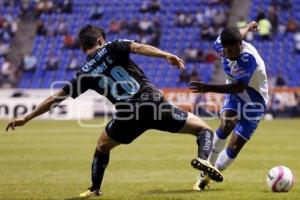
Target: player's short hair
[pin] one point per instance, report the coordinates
(230, 36)
(89, 36)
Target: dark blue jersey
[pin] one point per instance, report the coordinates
(110, 72)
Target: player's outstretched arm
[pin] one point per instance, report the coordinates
(252, 26)
(233, 88)
(45, 106)
(152, 51)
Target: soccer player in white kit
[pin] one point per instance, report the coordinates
(246, 96)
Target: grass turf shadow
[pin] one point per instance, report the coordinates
(179, 191)
(83, 198)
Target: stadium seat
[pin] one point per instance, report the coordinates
(173, 39)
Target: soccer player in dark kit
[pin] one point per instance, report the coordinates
(140, 106)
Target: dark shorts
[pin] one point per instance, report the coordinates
(133, 119)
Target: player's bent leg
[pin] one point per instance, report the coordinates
(242, 133)
(100, 162)
(193, 125)
(196, 126)
(105, 144)
(228, 155)
(228, 123)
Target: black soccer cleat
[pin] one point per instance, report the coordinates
(202, 182)
(203, 185)
(212, 172)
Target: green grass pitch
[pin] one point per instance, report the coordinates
(51, 160)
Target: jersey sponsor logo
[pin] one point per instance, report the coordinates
(101, 53)
(89, 64)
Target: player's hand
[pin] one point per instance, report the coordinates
(252, 26)
(14, 123)
(174, 60)
(198, 87)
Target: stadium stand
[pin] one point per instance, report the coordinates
(162, 31)
(279, 52)
(173, 25)
(8, 28)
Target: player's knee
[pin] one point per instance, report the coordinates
(201, 128)
(103, 147)
(228, 126)
(196, 125)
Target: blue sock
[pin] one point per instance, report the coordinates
(221, 134)
(230, 153)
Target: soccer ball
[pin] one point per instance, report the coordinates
(280, 179)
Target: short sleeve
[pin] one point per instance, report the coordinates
(246, 67)
(75, 87)
(218, 46)
(121, 47)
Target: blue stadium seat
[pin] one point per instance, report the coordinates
(278, 56)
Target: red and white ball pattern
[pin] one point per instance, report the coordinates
(280, 179)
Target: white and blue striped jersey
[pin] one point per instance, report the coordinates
(250, 69)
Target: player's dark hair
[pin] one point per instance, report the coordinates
(89, 36)
(230, 36)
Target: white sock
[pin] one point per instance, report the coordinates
(218, 146)
(223, 161)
